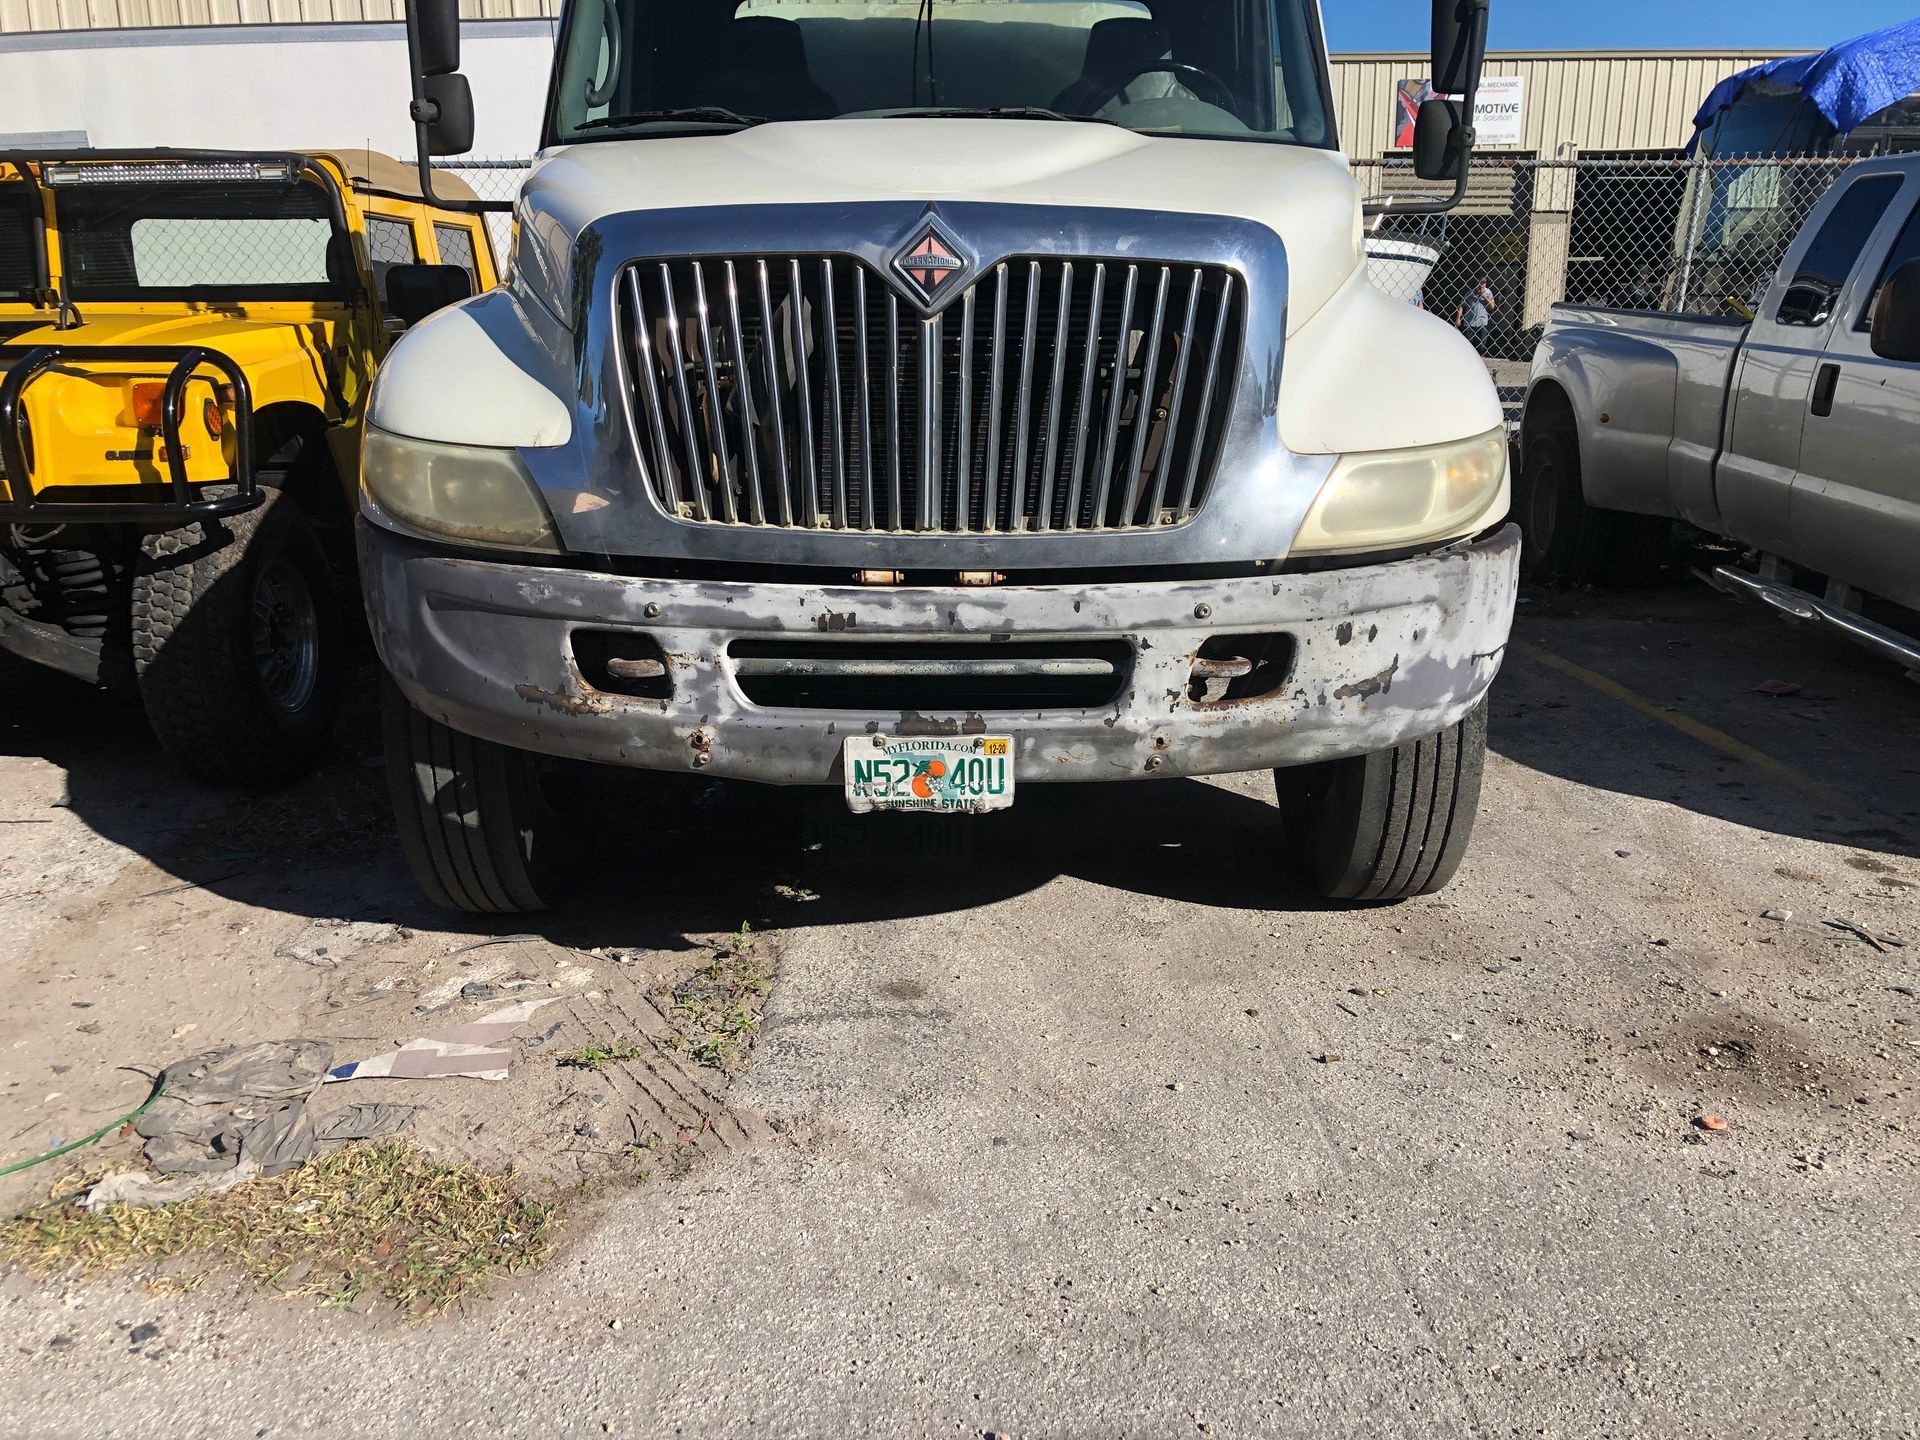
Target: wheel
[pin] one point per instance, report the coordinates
(1642, 549)
(485, 828)
(1566, 539)
(236, 644)
(1389, 825)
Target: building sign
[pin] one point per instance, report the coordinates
(1499, 110)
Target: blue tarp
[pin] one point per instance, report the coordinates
(1848, 83)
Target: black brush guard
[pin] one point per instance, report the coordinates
(188, 503)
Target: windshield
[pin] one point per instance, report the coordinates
(1215, 69)
(19, 255)
(197, 241)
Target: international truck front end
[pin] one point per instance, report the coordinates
(928, 402)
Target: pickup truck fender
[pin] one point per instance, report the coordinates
(1623, 447)
(492, 370)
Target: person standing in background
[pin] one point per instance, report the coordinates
(1475, 313)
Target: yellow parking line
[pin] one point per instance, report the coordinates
(1687, 725)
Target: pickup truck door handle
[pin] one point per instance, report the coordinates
(1825, 382)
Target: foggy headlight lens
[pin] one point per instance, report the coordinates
(468, 493)
(1386, 498)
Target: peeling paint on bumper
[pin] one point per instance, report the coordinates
(1383, 654)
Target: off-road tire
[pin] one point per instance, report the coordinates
(486, 828)
(194, 633)
(1566, 540)
(1389, 825)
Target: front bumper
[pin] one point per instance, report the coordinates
(1382, 654)
(189, 501)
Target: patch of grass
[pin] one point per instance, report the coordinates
(383, 1218)
(597, 1057)
(720, 1003)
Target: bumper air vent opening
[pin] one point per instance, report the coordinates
(937, 677)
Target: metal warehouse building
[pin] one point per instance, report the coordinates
(1571, 101)
(1575, 194)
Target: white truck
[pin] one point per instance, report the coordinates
(930, 398)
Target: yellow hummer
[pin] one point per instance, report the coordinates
(186, 344)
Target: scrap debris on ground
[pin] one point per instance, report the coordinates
(380, 1219)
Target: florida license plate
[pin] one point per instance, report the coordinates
(946, 772)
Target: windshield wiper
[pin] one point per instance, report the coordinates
(718, 113)
(990, 112)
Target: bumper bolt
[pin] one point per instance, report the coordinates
(652, 612)
(1154, 762)
(1202, 610)
(702, 758)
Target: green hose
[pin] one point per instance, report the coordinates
(159, 1089)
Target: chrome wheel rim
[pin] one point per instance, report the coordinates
(286, 635)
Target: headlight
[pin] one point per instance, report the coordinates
(474, 494)
(1387, 498)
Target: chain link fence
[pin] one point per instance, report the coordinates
(1656, 233)
(491, 178)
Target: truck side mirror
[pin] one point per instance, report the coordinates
(1459, 45)
(437, 46)
(1896, 315)
(1438, 151)
(416, 291)
(449, 129)
(442, 108)
(1443, 130)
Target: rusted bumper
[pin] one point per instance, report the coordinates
(1381, 654)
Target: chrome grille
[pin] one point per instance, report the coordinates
(802, 392)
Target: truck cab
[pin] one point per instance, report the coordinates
(927, 400)
(187, 341)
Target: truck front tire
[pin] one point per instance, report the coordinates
(486, 828)
(236, 644)
(1389, 825)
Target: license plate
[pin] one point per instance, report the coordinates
(947, 772)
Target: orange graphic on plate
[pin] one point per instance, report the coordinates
(921, 785)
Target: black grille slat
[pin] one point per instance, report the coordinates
(1190, 496)
(1179, 391)
(1051, 395)
(1116, 396)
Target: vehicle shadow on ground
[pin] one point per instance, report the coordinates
(1849, 734)
(679, 855)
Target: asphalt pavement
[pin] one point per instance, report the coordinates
(1083, 1120)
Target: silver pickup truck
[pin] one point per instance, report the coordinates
(1794, 434)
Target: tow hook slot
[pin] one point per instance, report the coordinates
(619, 662)
(1235, 669)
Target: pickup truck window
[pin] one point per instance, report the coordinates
(1906, 246)
(1229, 69)
(176, 241)
(1816, 285)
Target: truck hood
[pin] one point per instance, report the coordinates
(1306, 196)
(102, 326)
